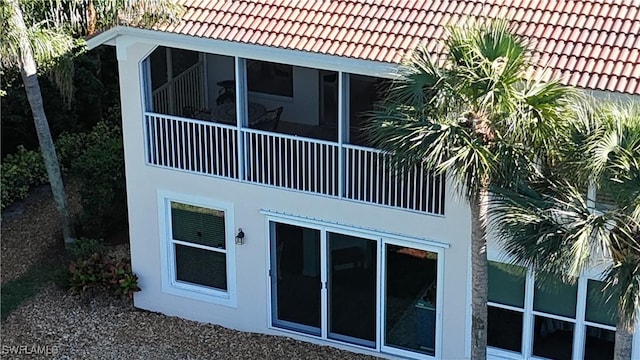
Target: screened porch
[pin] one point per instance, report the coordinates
(275, 124)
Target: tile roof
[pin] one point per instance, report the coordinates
(593, 44)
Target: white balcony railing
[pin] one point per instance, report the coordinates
(185, 90)
(192, 145)
(291, 162)
(371, 177)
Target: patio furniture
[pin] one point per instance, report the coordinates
(226, 113)
(270, 120)
(227, 93)
(193, 113)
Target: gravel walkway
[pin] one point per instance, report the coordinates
(65, 326)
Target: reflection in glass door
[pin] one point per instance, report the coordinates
(352, 289)
(410, 299)
(295, 278)
(372, 292)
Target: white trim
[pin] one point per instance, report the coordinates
(251, 51)
(170, 284)
(635, 345)
(468, 319)
(306, 221)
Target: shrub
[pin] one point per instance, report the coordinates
(70, 146)
(99, 272)
(25, 169)
(83, 248)
(19, 173)
(96, 158)
(101, 171)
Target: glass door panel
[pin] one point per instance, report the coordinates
(352, 289)
(410, 298)
(295, 278)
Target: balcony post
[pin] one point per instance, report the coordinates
(343, 128)
(241, 117)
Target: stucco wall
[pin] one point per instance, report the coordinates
(251, 313)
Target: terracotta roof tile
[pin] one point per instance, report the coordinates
(590, 43)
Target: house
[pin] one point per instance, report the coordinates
(255, 202)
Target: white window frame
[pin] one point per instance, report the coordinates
(170, 284)
(579, 322)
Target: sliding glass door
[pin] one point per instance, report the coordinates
(410, 299)
(352, 289)
(363, 290)
(295, 278)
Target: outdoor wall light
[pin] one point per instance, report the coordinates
(240, 237)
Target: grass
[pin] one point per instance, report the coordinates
(17, 291)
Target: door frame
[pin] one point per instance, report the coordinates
(381, 239)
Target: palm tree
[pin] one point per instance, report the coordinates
(476, 116)
(49, 35)
(550, 225)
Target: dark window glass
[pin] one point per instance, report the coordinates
(295, 278)
(600, 310)
(555, 297)
(270, 78)
(410, 299)
(504, 329)
(599, 344)
(352, 289)
(506, 284)
(364, 93)
(181, 60)
(158, 65)
(202, 267)
(198, 225)
(553, 338)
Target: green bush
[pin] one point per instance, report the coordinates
(83, 248)
(93, 271)
(19, 173)
(101, 171)
(96, 158)
(25, 169)
(100, 272)
(70, 146)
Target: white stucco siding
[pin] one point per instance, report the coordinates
(251, 312)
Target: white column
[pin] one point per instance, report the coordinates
(241, 115)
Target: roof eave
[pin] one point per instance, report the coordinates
(107, 37)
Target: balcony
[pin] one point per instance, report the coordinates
(322, 153)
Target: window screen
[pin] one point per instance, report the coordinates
(198, 225)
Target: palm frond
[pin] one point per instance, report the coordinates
(622, 280)
(550, 226)
(440, 144)
(473, 114)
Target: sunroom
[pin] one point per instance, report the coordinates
(275, 124)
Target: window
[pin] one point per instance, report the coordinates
(199, 250)
(529, 317)
(270, 78)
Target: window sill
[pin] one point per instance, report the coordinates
(203, 294)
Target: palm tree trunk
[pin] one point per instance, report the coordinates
(29, 74)
(624, 338)
(479, 275)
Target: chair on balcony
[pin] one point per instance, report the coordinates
(193, 113)
(270, 120)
